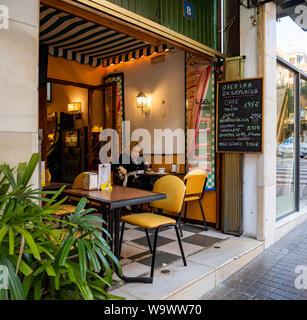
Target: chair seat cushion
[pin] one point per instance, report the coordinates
(65, 209)
(191, 198)
(148, 220)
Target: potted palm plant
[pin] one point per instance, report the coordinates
(42, 260)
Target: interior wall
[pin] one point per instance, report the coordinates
(63, 95)
(165, 83)
(64, 69)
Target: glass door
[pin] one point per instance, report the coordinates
(286, 143)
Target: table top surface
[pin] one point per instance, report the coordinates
(56, 185)
(119, 196)
(163, 174)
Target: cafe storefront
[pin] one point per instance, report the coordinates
(82, 59)
(165, 61)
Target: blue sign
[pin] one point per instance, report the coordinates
(188, 10)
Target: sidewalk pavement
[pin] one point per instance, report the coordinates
(271, 276)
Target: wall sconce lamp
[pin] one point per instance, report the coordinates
(97, 129)
(143, 103)
(75, 108)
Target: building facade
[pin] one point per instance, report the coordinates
(193, 28)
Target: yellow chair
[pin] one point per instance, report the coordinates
(174, 189)
(195, 182)
(47, 175)
(66, 209)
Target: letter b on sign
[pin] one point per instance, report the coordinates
(4, 278)
(188, 10)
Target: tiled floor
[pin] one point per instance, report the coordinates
(135, 254)
(271, 276)
(173, 281)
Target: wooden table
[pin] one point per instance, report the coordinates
(111, 203)
(56, 185)
(159, 174)
(152, 177)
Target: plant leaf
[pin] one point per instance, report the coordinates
(3, 232)
(82, 259)
(20, 172)
(29, 241)
(23, 266)
(37, 286)
(11, 241)
(15, 287)
(68, 243)
(26, 284)
(30, 168)
(92, 255)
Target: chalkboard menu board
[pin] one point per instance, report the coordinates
(240, 116)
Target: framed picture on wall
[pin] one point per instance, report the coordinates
(49, 92)
(120, 101)
(200, 116)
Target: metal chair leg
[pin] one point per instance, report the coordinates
(121, 237)
(202, 213)
(180, 229)
(179, 223)
(180, 246)
(154, 254)
(148, 240)
(62, 217)
(185, 212)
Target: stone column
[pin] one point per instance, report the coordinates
(248, 48)
(19, 83)
(266, 202)
(258, 44)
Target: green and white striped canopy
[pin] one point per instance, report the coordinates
(88, 43)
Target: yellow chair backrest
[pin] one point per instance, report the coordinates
(174, 189)
(78, 182)
(195, 181)
(47, 175)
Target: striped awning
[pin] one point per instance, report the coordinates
(88, 43)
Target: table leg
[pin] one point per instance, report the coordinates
(110, 228)
(116, 233)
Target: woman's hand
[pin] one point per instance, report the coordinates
(122, 170)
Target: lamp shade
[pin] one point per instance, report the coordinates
(97, 129)
(74, 107)
(78, 106)
(71, 107)
(142, 100)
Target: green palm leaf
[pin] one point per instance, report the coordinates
(11, 241)
(92, 255)
(3, 232)
(82, 259)
(29, 241)
(63, 255)
(30, 168)
(15, 287)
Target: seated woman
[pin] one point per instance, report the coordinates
(131, 170)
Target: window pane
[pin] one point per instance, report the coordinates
(303, 147)
(285, 184)
(291, 43)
